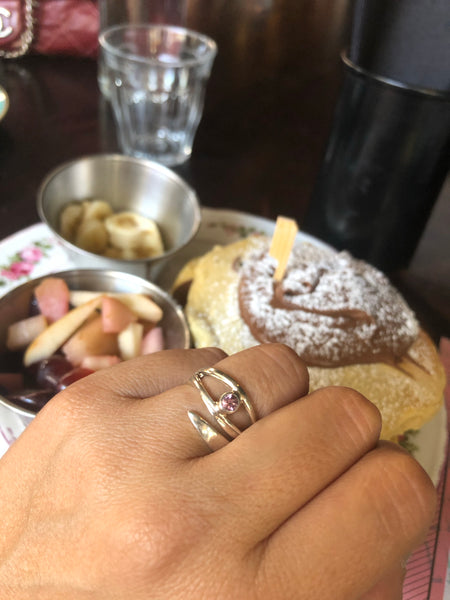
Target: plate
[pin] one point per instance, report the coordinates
(30, 253)
(4, 102)
(222, 226)
(35, 251)
(428, 445)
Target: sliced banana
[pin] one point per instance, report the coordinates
(92, 236)
(132, 232)
(91, 225)
(96, 209)
(111, 252)
(124, 229)
(70, 220)
(128, 254)
(151, 242)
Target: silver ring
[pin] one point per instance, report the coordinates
(221, 409)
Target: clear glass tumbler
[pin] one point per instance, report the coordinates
(157, 75)
(137, 12)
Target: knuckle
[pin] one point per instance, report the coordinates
(286, 360)
(212, 353)
(360, 419)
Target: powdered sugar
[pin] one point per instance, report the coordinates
(331, 308)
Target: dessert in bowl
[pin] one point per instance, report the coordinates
(57, 328)
(119, 212)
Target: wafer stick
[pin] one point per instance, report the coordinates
(281, 245)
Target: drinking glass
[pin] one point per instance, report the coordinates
(157, 76)
(136, 12)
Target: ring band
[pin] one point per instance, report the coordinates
(227, 404)
(213, 438)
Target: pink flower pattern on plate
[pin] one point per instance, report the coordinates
(22, 263)
(31, 254)
(8, 435)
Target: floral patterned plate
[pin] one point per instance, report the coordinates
(221, 226)
(34, 251)
(27, 254)
(4, 103)
(30, 253)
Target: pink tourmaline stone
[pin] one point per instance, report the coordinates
(229, 402)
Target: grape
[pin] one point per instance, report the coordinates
(72, 376)
(48, 372)
(34, 307)
(52, 375)
(31, 399)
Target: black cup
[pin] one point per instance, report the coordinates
(386, 160)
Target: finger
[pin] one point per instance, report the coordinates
(144, 376)
(372, 517)
(158, 372)
(95, 400)
(284, 460)
(390, 587)
(272, 375)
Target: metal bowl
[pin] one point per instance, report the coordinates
(127, 184)
(16, 304)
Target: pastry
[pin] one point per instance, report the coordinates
(341, 315)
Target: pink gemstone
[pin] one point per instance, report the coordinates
(229, 402)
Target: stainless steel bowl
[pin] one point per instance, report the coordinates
(127, 184)
(16, 304)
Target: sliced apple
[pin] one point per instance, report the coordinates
(59, 332)
(95, 363)
(52, 296)
(153, 341)
(90, 340)
(79, 297)
(143, 307)
(116, 315)
(130, 341)
(23, 332)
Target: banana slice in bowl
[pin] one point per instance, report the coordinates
(165, 212)
(129, 231)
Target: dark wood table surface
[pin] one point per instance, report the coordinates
(268, 111)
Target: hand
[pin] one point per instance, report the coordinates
(111, 493)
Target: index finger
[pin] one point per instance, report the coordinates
(145, 376)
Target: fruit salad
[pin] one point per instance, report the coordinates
(70, 334)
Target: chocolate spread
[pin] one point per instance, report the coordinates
(333, 311)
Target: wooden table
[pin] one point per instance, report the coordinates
(268, 111)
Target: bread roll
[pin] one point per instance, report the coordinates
(341, 315)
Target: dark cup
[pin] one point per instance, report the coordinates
(386, 160)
